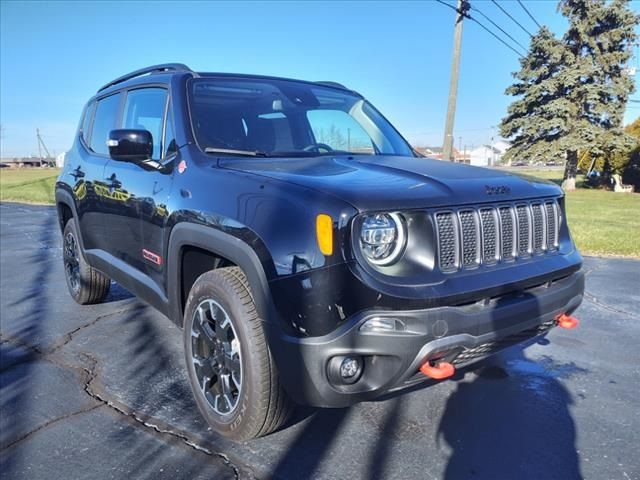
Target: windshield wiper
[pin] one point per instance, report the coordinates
(228, 151)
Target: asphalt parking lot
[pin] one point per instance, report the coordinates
(101, 392)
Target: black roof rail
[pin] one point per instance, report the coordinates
(331, 84)
(163, 67)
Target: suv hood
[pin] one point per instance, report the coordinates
(390, 182)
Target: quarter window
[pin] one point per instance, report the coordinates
(170, 146)
(144, 110)
(105, 121)
(86, 121)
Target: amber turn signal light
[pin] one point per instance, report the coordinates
(324, 233)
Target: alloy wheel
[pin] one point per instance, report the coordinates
(72, 261)
(215, 354)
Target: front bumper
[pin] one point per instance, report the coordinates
(461, 334)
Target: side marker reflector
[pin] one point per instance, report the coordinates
(324, 233)
(438, 372)
(567, 321)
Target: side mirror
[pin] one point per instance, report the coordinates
(129, 145)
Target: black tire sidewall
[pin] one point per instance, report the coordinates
(239, 423)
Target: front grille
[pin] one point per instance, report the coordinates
(447, 234)
(551, 209)
(489, 235)
(524, 230)
(469, 237)
(538, 228)
(507, 230)
(469, 233)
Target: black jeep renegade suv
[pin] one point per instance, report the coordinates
(306, 251)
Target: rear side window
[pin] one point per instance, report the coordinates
(144, 110)
(86, 122)
(105, 121)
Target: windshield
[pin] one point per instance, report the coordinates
(276, 118)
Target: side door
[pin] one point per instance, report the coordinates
(90, 188)
(144, 191)
(155, 210)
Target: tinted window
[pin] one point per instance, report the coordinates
(144, 110)
(339, 130)
(170, 145)
(86, 121)
(287, 118)
(105, 121)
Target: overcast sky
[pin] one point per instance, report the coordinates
(55, 55)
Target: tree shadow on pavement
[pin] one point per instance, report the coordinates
(17, 393)
(512, 421)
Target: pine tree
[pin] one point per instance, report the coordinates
(572, 93)
(598, 39)
(539, 117)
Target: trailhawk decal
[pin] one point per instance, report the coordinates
(152, 257)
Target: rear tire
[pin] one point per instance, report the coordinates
(86, 284)
(230, 368)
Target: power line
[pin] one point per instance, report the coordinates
(499, 28)
(529, 13)
(520, 54)
(508, 15)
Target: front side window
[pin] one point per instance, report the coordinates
(105, 120)
(144, 110)
(285, 118)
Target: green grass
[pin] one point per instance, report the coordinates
(28, 185)
(601, 222)
(604, 223)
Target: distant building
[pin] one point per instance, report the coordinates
(437, 153)
(27, 161)
(488, 155)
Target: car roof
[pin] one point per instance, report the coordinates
(162, 74)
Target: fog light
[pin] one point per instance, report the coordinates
(345, 370)
(351, 369)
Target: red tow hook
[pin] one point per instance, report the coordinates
(438, 372)
(567, 321)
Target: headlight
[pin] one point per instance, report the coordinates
(382, 238)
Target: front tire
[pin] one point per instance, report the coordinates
(230, 368)
(86, 284)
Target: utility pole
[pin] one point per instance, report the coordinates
(41, 146)
(447, 147)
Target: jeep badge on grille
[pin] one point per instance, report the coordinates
(497, 189)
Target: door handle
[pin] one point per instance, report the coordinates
(77, 173)
(114, 182)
